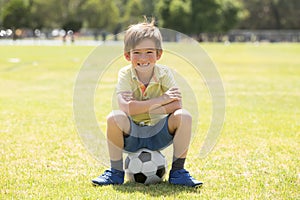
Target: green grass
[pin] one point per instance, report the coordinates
(256, 157)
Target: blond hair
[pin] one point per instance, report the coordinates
(138, 32)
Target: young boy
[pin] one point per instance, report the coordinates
(151, 114)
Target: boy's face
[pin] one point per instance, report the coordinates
(144, 55)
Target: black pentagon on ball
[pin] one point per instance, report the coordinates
(161, 171)
(145, 156)
(140, 177)
(127, 161)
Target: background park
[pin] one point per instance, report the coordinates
(253, 44)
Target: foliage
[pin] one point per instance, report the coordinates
(72, 25)
(175, 14)
(100, 17)
(272, 14)
(187, 16)
(230, 14)
(15, 14)
(133, 12)
(205, 15)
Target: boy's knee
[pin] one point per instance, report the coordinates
(180, 118)
(116, 116)
(182, 114)
(118, 119)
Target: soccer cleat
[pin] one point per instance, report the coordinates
(182, 177)
(109, 177)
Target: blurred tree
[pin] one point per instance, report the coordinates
(196, 16)
(162, 9)
(271, 14)
(100, 15)
(71, 14)
(15, 14)
(149, 7)
(187, 16)
(43, 14)
(231, 13)
(133, 12)
(289, 14)
(2, 6)
(73, 25)
(56, 14)
(205, 16)
(175, 14)
(121, 4)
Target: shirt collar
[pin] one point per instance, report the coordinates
(158, 73)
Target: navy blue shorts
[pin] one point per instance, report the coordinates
(154, 138)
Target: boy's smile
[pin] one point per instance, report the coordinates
(144, 55)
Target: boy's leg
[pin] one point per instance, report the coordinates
(117, 124)
(180, 123)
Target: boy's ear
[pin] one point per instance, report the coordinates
(127, 56)
(158, 54)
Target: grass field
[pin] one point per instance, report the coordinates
(256, 157)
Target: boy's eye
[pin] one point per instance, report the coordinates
(150, 51)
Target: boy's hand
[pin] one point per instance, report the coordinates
(127, 96)
(173, 94)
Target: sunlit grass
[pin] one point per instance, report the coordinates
(257, 156)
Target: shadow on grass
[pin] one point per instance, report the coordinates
(160, 189)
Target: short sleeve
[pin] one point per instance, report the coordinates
(168, 80)
(124, 79)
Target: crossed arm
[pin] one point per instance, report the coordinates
(164, 104)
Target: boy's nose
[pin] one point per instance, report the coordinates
(143, 56)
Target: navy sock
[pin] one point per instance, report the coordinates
(117, 164)
(178, 163)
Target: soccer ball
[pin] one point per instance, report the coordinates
(145, 166)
